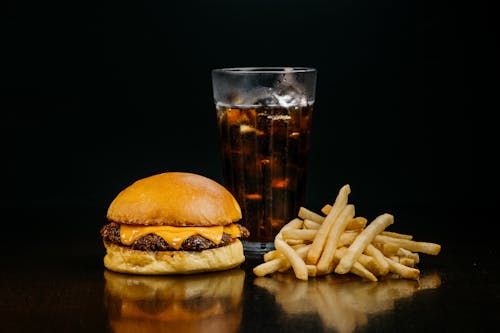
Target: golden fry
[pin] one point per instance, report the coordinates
(307, 214)
(404, 253)
(388, 249)
(298, 265)
(360, 270)
(269, 266)
(268, 256)
(357, 223)
(396, 235)
(364, 238)
(326, 209)
(347, 238)
(402, 270)
(410, 245)
(319, 241)
(333, 237)
(363, 259)
(310, 224)
(303, 234)
(378, 258)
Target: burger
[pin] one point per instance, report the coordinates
(173, 223)
(210, 302)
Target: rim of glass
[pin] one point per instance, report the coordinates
(265, 70)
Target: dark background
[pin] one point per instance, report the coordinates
(95, 95)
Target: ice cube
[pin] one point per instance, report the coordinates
(260, 96)
(285, 92)
(289, 94)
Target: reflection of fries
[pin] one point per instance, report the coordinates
(343, 305)
(315, 245)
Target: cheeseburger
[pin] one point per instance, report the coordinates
(173, 223)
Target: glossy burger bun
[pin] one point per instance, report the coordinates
(175, 199)
(125, 260)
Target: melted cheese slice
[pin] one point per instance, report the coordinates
(175, 236)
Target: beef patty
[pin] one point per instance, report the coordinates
(151, 242)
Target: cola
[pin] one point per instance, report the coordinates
(264, 152)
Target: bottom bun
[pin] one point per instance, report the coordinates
(125, 260)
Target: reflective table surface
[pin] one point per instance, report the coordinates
(54, 281)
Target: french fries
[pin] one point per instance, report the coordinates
(362, 241)
(333, 237)
(320, 239)
(339, 242)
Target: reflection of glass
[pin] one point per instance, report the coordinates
(342, 304)
(181, 304)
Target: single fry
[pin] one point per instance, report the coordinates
(275, 253)
(403, 261)
(360, 270)
(364, 238)
(407, 261)
(388, 249)
(378, 257)
(326, 209)
(347, 238)
(396, 235)
(269, 267)
(404, 253)
(298, 265)
(308, 235)
(311, 270)
(356, 223)
(402, 270)
(294, 242)
(333, 237)
(310, 224)
(410, 245)
(301, 252)
(303, 234)
(319, 241)
(307, 214)
(296, 223)
(367, 261)
(268, 256)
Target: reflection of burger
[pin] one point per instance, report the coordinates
(198, 303)
(173, 223)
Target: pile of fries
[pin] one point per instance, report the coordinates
(340, 242)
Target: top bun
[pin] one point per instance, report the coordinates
(175, 199)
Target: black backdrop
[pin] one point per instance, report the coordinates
(95, 95)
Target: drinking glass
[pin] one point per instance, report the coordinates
(264, 117)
